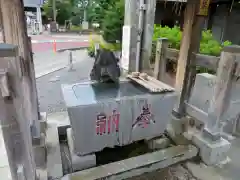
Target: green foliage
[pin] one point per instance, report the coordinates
(75, 28)
(64, 10)
(174, 35)
(208, 45)
(113, 22)
(96, 10)
(103, 44)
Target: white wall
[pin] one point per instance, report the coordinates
(32, 3)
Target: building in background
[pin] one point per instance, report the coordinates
(223, 18)
(34, 6)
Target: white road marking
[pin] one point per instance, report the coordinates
(58, 40)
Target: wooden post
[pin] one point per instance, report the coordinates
(190, 44)
(15, 32)
(225, 81)
(146, 49)
(160, 60)
(189, 17)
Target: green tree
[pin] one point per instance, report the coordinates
(64, 9)
(113, 22)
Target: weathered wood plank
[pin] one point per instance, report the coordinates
(160, 61)
(20, 108)
(225, 81)
(189, 17)
(202, 60)
(149, 83)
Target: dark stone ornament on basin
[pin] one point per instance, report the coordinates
(105, 68)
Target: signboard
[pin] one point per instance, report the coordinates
(203, 7)
(32, 3)
(124, 63)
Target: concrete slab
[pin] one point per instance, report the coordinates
(79, 163)
(42, 174)
(159, 143)
(40, 152)
(58, 119)
(211, 152)
(43, 122)
(231, 169)
(61, 120)
(54, 162)
(138, 165)
(4, 165)
(201, 96)
(5, 173)
(203, 172)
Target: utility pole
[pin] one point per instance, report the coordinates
(137, 33)
(22, 107)
(85, 22)
(54, 11)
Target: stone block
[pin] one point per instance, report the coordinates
(159, 143)
(201, 97)
(43, 122)
(177, 125)
(20, 173)
(227, 136)
(79, 162)
(202, 91)
(40, 152)
(211, 152)
(54, 161)
(85, 25)
(211, 135)
(115, 115)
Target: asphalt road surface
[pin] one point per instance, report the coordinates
(44, 43)
(49, 86)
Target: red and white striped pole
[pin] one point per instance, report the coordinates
(54, 46)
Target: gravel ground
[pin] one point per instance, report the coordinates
(176, 172)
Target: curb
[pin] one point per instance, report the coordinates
(72, 49)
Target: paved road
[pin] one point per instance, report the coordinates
(49, 86)
(47, 62)
(43, 43)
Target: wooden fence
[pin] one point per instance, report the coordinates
(163, 53)
(227, 69)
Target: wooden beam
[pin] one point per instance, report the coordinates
(186, 70)
(225, 81)
(146, 48)
(15, 33)
(160, 60)
(210, 62)
(22, 107)
(185, 44)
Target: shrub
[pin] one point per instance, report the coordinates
(103, 44)
(75, 28)
(208, 45)
(113, 22)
